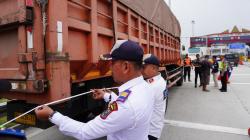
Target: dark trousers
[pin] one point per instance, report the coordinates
(197, 73)
(224, 81)
(152, 137)
(187, 72)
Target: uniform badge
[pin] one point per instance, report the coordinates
(111, 107)
(123, 96)
(165, 94)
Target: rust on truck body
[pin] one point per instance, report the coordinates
(42, 52)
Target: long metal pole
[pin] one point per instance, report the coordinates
(193, 22)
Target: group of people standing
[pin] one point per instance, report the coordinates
(136, 113)
(204, 67)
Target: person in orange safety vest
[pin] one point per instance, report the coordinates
(187, 67)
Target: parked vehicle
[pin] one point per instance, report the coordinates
(233, 59)
(218, 50)
(50, 49)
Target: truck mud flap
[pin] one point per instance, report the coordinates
(5, 86)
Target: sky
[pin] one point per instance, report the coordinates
(210, 16)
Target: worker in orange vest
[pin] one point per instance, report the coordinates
(187, 67)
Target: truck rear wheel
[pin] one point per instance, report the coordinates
(180, 82)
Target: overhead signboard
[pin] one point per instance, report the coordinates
(237, 46)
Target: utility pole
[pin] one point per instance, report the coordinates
(193, 23)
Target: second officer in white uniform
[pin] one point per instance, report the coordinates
(151, 73)
(128, 116)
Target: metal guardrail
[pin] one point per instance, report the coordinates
(172, 75)
(172, 71)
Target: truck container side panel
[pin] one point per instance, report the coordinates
(152, 49)
(58, 72)
(162, 54)
(78, 45)
(105, 43)
(9, 49)
(134, 26)
(104, 14)
(93, 36)
(58, 81)
(145, 48)
(77, 32)
(122, 21)
(139, 30)
(157, 36)
(157, 51)
(144, 30)
(12, 43)
(157, 13)
(10, 11)
(129, 25)
(38, 43)
(79, 10)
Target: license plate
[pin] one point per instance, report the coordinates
(28, 119)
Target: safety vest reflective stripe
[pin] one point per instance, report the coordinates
(187, 61)
(223, 65)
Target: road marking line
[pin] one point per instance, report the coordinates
(240, 74)
(207, 127)
(240, 83)
(229, 83)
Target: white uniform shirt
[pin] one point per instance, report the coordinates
(130, 122)
(157, 121)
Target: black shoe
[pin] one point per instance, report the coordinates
(195, 86)
(223, 90)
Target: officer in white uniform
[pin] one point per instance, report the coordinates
(128, 116)
(151, 73)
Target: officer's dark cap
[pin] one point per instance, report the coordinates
(150, 59)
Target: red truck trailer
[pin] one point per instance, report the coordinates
(49, 49)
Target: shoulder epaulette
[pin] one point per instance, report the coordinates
(124, 96)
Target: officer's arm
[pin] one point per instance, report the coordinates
(115, 121)
(110, 97)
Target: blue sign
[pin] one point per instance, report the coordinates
(237, 46)
(194, 50)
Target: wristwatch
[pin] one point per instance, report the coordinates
(52, 114)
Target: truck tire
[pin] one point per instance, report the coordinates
(180, 82)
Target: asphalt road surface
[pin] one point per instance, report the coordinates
(196, 115)
(190, 107)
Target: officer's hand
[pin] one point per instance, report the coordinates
(98, 94)
(43, 112)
